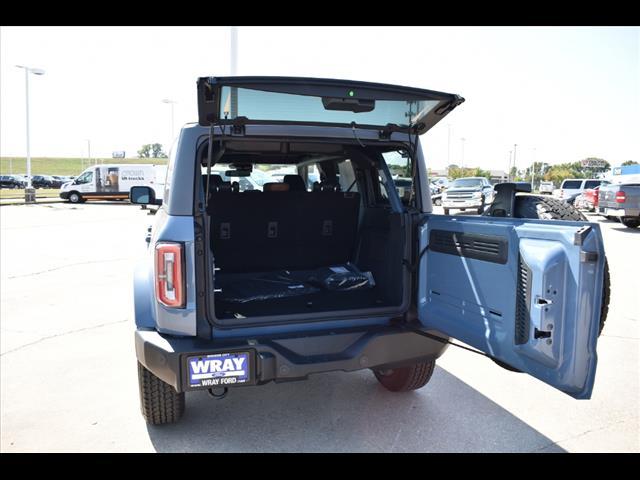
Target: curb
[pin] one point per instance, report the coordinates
(35, 203)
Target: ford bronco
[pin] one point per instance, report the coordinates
(286, 276)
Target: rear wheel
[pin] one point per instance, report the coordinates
(547, 208)
(159, 401)
(630, 222)
(404, 379)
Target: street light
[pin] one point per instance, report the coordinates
(172, 103)
(29, 192)
(515, 145)
(533, 168)
(462, 140)
(448, 145)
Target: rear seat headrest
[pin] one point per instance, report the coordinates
(228, 187)
(326, 187)
(275, 187)
(217, 184)
(295, 182)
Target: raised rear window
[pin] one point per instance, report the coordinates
(262, 105)
(319, 102)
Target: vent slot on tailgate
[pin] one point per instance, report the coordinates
(523, 298)
(490, 248)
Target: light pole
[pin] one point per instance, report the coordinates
(448, 145)
(515, 145)
(509, 167)
(172, 103)
(233, 51)
(89, 153)
(533, 168)
(29, 192)
(462, 166)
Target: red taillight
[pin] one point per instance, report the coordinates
(621, 197)
(170, 289)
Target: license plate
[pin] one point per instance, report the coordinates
(614, 212)
(219, 370)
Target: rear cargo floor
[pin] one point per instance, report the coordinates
(319, 300)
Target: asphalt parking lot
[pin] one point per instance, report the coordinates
(69, 381)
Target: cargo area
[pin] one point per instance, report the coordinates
(294, 246)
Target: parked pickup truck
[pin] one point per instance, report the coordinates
(468, 193)
(621, 201)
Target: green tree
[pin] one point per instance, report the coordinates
(145, 151)
(156, 151)
(558, 173)
(457, 172)
(629, 162)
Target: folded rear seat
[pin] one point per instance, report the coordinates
(282, 229)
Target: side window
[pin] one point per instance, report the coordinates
(347, 177)
(85, 178)
(167, 180)
(571, 184)
(400, 167)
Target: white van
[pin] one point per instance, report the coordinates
(114, 181)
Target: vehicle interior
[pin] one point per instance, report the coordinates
(320, 235)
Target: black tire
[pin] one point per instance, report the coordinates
(75, 197)
(446, 211)
(531, 206)
(159, 402)
(404, 379)
(630, 222)
(437, 202)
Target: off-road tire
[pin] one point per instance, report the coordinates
(630, 222)
(159, 402)
(404, 379)
(546, 208)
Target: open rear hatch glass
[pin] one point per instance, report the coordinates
(314, 101)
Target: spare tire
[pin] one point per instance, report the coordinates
(547, 208)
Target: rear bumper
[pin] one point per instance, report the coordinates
(291, 358)
(64, 195)
(619, 212)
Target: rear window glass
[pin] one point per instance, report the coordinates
(572, 184)
(592, 183)
(261, 105)
(261, 174)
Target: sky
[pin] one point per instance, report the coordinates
(560, 93)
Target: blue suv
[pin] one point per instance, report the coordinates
(241, 287)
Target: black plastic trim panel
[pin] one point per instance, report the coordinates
(490, 248)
